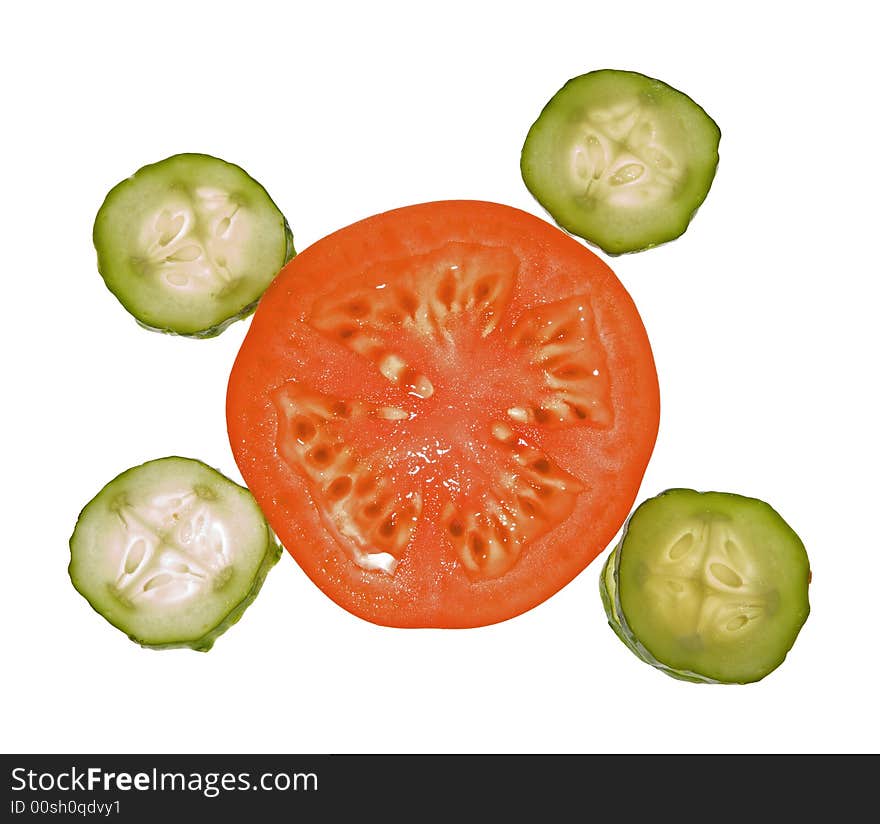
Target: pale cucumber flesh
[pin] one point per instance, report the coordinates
(189, 244)
(620, 159)
(171, 552)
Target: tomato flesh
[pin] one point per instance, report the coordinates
(445, 412)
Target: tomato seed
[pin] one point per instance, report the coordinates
(340, 487)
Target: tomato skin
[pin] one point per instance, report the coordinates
(429, 587)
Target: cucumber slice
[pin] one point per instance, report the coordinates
(172, 553)
(189, 244)
(708, 587)
(620, 159)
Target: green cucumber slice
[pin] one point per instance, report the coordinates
(189, 244)
(172, 553)
(709, 587)
(621, 160)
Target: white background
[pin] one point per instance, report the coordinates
(762, 318)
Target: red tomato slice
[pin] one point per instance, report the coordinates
(445, 412)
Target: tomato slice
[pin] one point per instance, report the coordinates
(445, 412)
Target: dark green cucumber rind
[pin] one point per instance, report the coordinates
(611, 602)
(674, 231)
(206, 641)
(214, 329)
(607, 590)
(617, 618)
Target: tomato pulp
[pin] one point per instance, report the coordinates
(445, 412)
